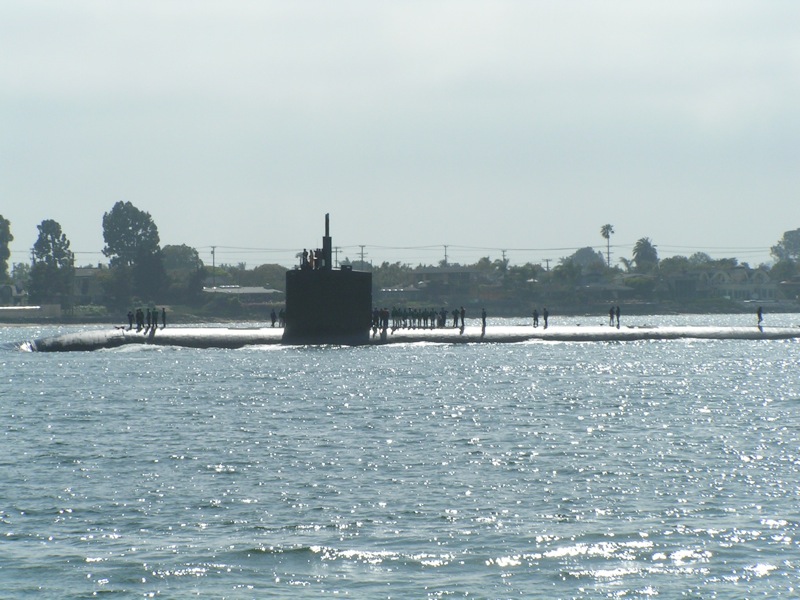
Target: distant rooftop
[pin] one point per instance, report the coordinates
(236, 290)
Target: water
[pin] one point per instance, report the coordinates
(552, 470)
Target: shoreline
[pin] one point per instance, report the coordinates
(184, 319)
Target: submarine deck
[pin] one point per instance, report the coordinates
(238, 337)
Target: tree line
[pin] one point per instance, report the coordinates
(140, 270)
(587, 276)
(138, 265)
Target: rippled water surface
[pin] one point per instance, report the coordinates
(554, 470)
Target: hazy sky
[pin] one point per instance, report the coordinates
(522, 126)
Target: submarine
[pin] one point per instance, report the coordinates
(333, 306)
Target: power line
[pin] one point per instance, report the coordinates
(430, 253)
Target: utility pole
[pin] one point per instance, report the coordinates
(547, 262)
(336, 254)
(213, 266)
(445, 255)
(362, 255)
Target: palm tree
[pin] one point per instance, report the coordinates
(645, 255)
(606, 231)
